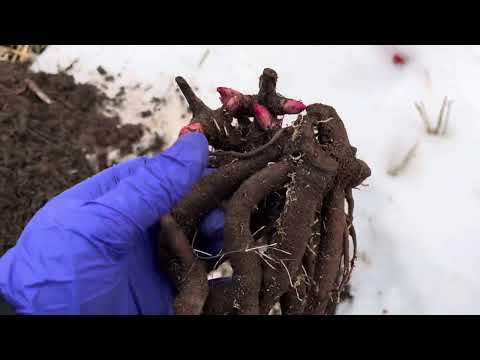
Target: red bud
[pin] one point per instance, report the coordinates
(293, 107)
(234, 103)
(194, 127)
(226, 94)
(264, 117)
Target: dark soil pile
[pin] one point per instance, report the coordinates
(287, 196)
(48, 125)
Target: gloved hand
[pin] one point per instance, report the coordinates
(91, 249)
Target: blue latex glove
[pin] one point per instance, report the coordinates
(91, 250)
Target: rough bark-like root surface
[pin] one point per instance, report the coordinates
(284, 191)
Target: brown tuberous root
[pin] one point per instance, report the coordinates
(287, 235)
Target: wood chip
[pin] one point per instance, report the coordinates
(41, 95)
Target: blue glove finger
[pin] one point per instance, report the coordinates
(103, 182)
(136, 203)
(211, 232)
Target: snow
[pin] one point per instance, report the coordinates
(417, 232)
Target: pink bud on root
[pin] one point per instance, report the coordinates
(264, 117)
(293, 107)
(226, 94)
(234, 103)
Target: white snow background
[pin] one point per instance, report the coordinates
(418, 232)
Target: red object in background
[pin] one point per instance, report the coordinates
(399, 59)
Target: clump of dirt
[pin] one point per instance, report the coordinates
(49, 127)
(284, 190)
(106, 76)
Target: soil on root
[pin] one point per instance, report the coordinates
(53, 134)
(284, 190)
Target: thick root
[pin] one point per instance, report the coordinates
(220, 300)
(246, 264)
(302, 253)
(330, 254)
(294, 231)
(210, 191)
(313, 178)
(188, 274)
(293, 302)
